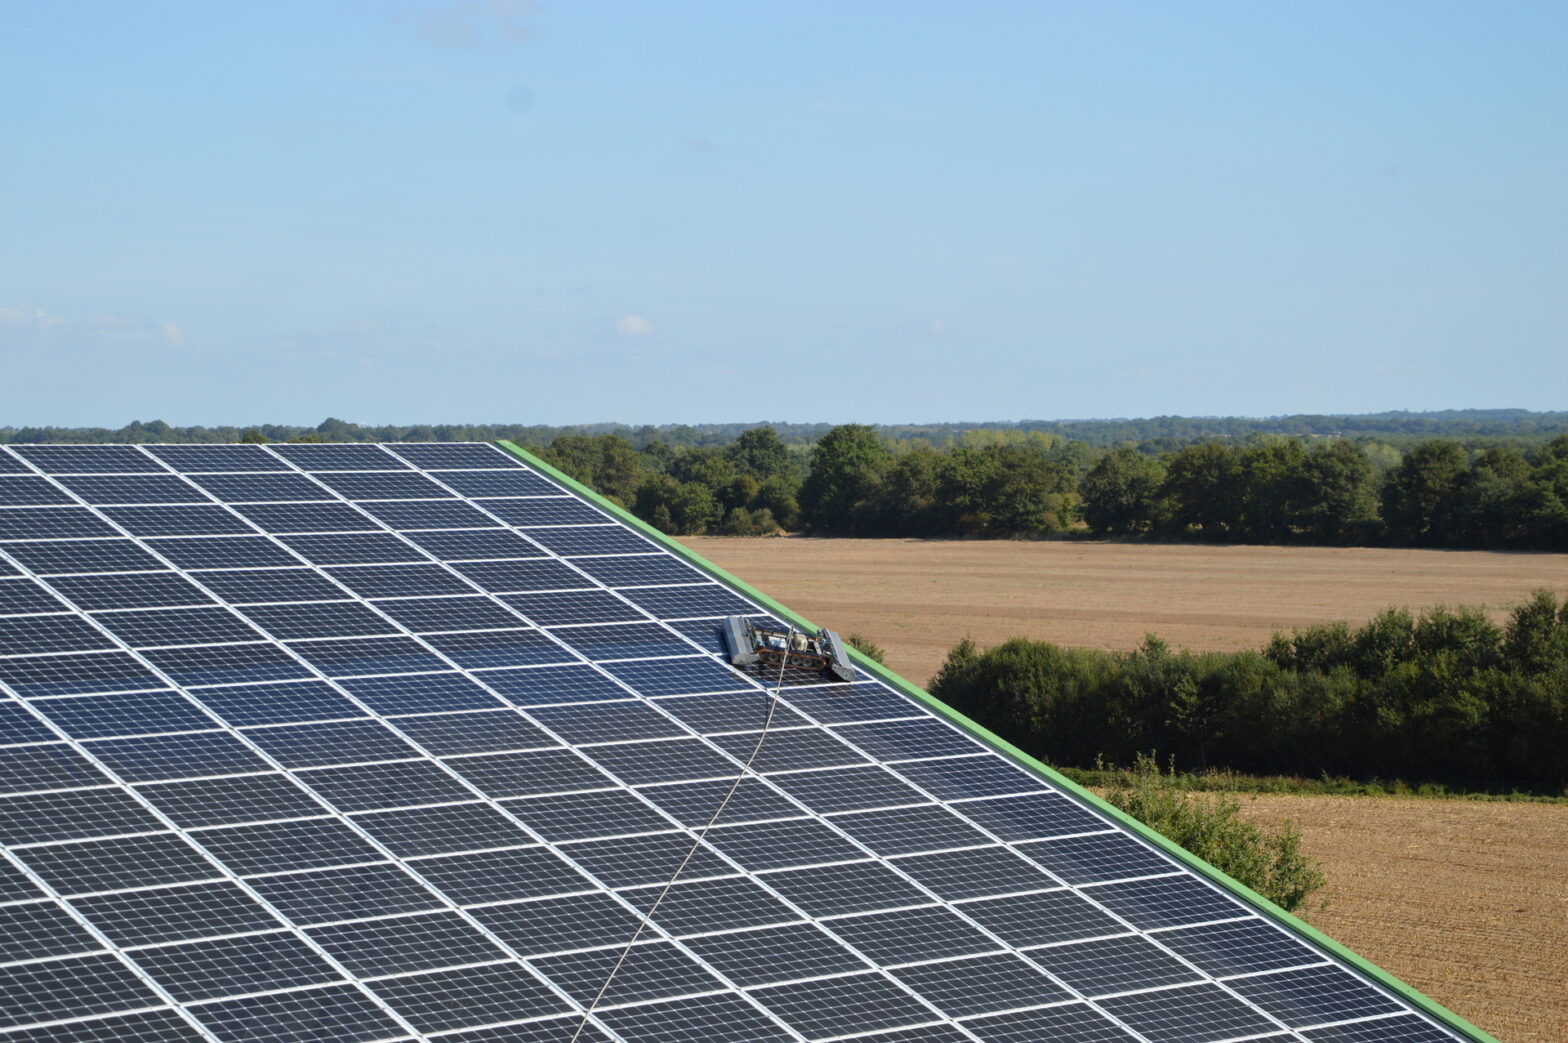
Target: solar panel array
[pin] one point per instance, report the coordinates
(311, 743)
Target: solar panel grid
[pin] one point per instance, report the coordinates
(456, 795)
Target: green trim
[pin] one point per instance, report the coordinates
(1240, 890)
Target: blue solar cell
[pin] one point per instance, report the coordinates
(351, 548)
(225, 664)
(464, 456)
(504, 576)
(339, 742)
(679, 602)
(134, 489)
(29, 491)
(24, 635)
(475, 545)
(383, 485)
(188, 458)
(563, 510)
(17, 725)
(637, 570)
(678, 676)
(338, 457)
(143, 628)
(574, 606)
(499, 483)
(595, 539)
(71, 674)
(289, 701)
(497, 648)
(306, 517)
(130, 590)
(371, 655)
(564, 684)
(623, 641)
(222, 552)
(262, 488)
(185, 756)
(23, 595)
(130, 713)
(249, 586)
(423, 615)
(38, 523)
(27, 769)
(420, 693)
(428, 514)
(399, 581)
(187, 520)
(318, 619)
(48, 557)
(87, 459)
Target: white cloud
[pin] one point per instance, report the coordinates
(173, 335)
(633, 326)
(28, 315)
(938, 327)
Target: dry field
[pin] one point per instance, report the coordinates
(1467, 902)
(917, 598)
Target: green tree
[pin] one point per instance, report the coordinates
(1337, 501)
(1121, 493)
(607, 463)
(759, 452)
(846, 466)
(1200, 482)
(1420, 495)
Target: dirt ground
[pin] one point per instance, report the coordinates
(917, 598)
(1465, 901)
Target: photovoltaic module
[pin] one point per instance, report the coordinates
(321, 743)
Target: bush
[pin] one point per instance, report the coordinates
(1444, 697)
(866, 647)
(1268, 861)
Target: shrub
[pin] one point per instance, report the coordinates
(1268, 861)
(866, 647)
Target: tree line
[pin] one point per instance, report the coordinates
(1280, 490)
(1476, 428)
(1020, 480)
(1445, 697)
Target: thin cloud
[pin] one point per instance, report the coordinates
(173, 335)
(938, 327)
(633, 326)
(28, 316)
(469, 23)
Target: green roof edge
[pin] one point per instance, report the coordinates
(1417, 999)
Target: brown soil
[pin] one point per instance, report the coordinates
(917, 598)
(1465, 901)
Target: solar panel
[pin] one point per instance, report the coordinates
(358, 742)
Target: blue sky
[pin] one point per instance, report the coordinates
(499, 211)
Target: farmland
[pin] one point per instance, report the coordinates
(1463, 900)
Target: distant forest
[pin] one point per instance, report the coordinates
(1462, 478)
(1477, 427)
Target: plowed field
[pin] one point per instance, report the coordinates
(1465, 901)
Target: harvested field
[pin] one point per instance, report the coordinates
(917, 598)
(1465, 901)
